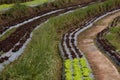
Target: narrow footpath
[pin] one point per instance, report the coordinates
(102, 67)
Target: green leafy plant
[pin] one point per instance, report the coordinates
(83, 63)
(68, 64)
(88, 78)
(74, 70)
(68, 72)
(86, 72)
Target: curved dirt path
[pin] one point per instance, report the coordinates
(103, 69)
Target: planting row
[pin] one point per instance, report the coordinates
(69, 48)
(106, 45)
(17, 39)
(5, 23)
(69, 41)
(77, 69)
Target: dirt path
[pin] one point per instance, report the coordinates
(103, 69)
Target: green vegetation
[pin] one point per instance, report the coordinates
(68, 69)
(75, 71)
(34, 2)
(17, 11)
(41, 59)
(5, 6)
(114, 37)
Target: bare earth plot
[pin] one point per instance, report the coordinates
(103, 69)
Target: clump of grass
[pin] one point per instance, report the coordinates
(16, 11)
(114, 37)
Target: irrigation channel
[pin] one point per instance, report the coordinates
(18, 40)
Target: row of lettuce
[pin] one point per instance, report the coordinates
(77, 69)
(42, 56)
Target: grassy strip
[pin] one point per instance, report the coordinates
(35, 2)
(5, 6)
(7, 34)
(40, 60)
(114, 37)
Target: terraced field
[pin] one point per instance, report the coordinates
(36, 52)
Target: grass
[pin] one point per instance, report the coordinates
(34, 2)
(5, 6)
(41, 59)
(114, 37)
